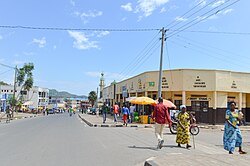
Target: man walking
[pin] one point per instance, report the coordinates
(132, 110)
(161, 117)
(115, 111)
(104, 111)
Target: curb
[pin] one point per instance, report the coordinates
(111, 125)
(150, 162)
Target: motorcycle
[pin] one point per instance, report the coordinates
(193, 129)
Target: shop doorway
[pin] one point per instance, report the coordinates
(201, 111)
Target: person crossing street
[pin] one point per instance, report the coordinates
(161, 117)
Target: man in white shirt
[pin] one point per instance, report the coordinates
(132, 110)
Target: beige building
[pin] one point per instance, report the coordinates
(205, 92)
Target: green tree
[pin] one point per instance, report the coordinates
(24, 79)
(92, 97)
(25, 76)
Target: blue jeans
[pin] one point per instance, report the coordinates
(131, 117)
(115, 117)
(104, 115)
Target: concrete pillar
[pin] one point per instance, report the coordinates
(146, 94)
(240, 101)
(214, 114)
(215, 100)
(184, 97)
(136, 94)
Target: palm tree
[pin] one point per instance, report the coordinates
(92, 97)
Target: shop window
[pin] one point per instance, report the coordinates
(178, 103)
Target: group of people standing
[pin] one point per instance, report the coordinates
(128, 112)
(232, 137)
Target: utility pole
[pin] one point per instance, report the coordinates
(14, 91)
(161, 60)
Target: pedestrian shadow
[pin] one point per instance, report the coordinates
(143, 147)
(173, 146)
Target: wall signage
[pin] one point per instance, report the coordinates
(164, 83)
(199, 83)
(234, 86)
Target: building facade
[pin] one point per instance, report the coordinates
(205, 92)
(35, 98)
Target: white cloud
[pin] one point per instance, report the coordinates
(41, 42)
(216, 16)
(227, 11)
(163, 10)
(124, 19)
(72, 3)
(181, 19)
(201, 2)
(1, 37)
(147, 7)
(104, 33)
(90, 14)
(218, 3)
(127, 7)
(54, 47)
(28, 53)
(82, 41)
(18, 62)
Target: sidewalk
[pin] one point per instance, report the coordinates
(96, 121)
(198, 159)
(17, 116)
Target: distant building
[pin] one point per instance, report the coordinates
(75, 102)
(35, 98)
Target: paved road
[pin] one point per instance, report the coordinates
(67, 141)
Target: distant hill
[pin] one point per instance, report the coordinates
(3, 83)
(54, 92)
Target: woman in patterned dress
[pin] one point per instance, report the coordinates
(183, 135)
(232, 136)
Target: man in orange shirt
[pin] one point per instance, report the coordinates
(115, 111)
(161, 117)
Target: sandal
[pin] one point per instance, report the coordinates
(242, 152)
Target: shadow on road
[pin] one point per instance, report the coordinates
(141, 147)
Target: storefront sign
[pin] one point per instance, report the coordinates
(164, 83)
(234, 86)
(199, 83)
(199, 98)
(151, 84)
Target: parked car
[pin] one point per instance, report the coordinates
(51, 111)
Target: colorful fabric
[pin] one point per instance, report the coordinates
(161, 114)
(232, 136)
(116, 109)
(183, 135)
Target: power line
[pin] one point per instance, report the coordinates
(139, 56)
(202, 18)
(185, 13)
(215, 32)
(201, 50)
(212, 47)
(194, 12)
(7, 66)
(74, 29)
(6, 72)
(143, 60)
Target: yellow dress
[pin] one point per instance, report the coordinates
(183, 135)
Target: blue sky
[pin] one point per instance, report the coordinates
(72, 60)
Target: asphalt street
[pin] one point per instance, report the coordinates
(67, 141)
